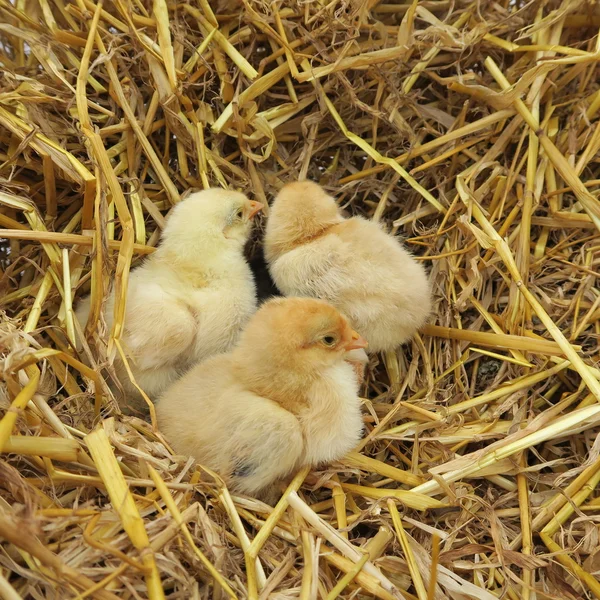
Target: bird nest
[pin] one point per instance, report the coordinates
(470, 129)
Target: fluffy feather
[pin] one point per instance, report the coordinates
(284, 397)
(313, 251)
(191, 298)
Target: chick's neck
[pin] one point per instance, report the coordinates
(206, 257)
(298, 234)
(271, 377)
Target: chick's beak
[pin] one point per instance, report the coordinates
(255, 208)
(357, 342)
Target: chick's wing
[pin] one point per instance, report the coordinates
(266, 445)
(159, 327)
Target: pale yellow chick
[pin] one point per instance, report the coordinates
(312, 250)
(283, 398)
(191, 298)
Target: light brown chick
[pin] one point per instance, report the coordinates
(283, 398)
(312, 250)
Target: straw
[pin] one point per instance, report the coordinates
(172, 507)
(343, 583)
(10, 417)
(408, 554)
(116, 486)
(469, 130)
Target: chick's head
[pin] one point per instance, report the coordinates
(209, 215)
(301, 210)
(301, 335)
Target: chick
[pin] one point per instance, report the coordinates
(283, 398)
(312, 250)
(191, 298)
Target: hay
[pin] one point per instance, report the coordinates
(471, 129)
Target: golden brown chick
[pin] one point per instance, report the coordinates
(283, 398)
(191, 298)
(313, 251)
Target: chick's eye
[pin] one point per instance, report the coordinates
(329, 340)
(240, 213)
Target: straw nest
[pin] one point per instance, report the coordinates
(471, 129)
